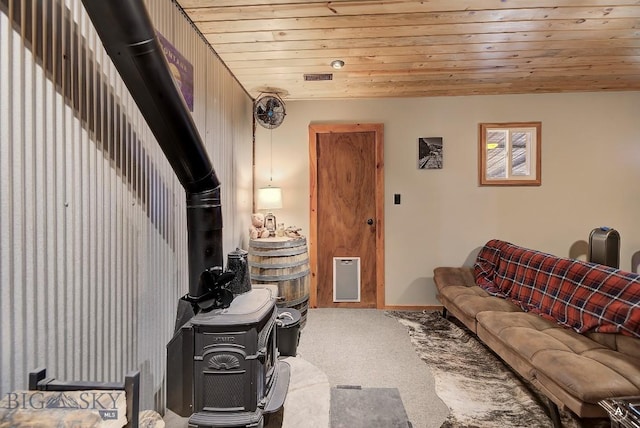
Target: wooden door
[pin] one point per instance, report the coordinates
(347, 207)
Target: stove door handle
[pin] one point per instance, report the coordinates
(262, 354)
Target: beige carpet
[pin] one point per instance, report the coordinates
(367, 348)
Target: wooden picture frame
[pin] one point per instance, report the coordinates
(509, 154)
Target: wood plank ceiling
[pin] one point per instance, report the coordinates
(406, 48)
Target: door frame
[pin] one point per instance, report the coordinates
(378, 130)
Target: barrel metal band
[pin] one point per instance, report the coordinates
(281, 252)
(278, 278)
(257, 243)
(292, 303)
(279, 265)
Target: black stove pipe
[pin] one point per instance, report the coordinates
(126, 31)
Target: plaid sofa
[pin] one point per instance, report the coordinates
(570, 328)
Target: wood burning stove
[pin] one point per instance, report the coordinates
(222, 365)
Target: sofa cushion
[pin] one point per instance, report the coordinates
(523, 332)
(457, 286)
(579, 295)
(591, 376)
(473, 305)
(563, 359)
(624, 344)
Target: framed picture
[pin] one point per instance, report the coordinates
(430, 153)
(509, 154)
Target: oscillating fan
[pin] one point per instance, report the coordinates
(269, 111)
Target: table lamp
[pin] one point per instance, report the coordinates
(269, 198)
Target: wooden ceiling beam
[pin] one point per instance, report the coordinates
(241, 25)
(627, 74)
(601, 25)
(217, 10)
(461, 88)
(374, 59)
(452, 66)
(559, 48)
(432, 40)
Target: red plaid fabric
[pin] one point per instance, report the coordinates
(579, 295)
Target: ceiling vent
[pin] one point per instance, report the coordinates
(319, 76)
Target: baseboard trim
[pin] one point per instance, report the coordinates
(413, 307)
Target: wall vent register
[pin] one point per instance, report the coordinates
(346, 279)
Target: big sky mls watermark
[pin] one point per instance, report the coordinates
(104, 402)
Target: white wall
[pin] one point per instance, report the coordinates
(590, 177)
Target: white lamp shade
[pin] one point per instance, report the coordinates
(269, 198)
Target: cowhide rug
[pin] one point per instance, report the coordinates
(478, 388)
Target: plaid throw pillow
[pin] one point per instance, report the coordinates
(579, 295)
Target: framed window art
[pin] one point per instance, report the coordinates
(509, 154)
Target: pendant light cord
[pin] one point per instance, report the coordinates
(271, 156)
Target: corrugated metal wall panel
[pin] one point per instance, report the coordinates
(6, 194)
(93, 251)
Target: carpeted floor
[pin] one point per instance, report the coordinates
(364, 347)
(477, 387)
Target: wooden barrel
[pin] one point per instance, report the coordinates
(283, 262)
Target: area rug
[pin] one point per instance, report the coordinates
(356, 407)
(478, 388)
